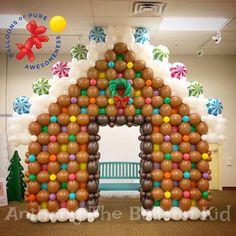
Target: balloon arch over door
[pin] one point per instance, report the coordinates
(119, 88)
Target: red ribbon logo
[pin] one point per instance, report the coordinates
(36, 39)
(121, 101)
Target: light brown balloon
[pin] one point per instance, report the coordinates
(203, 166)
(139, 102)
(63, 100)
(157, 174)
(101, 65)
(63, 157)
(195, 156)
(110, 55)
(62, 195)
(166, 128)
(111, 74)
(82, 137)
(82, 156)
(63, 119)
(147, 73)
(138, 83)
(166, 165)
(175, 119)
(102, 83)
(165, 91)
(72, 147)
(92, 73)
(74, 90)
(120, 48)
(92, 109)
(42, 196)
(157, 101)
(83, 82)
(184, 204)
(34, 167)
(43, 176)
(156, 120)
(175, 101)
(195, 193)
(62, 176)
(195, 175)
(176, 138)
(176, 156)
(147, 92)
(167, 184)
(43, 119)
(52, 206)
(34, 148)
(184, 110)
(120, 66)
(53, 186)
(166, 204)
(83, 101)
(72, 186)
(194, 118)
(157, 193)
(185, 184)
(43, 157)
(176, 193)
(185, 165)
(203, 184)
(73, 128)
(73, 166)
(53, 167)
(203, 204)
(93, 91)
(139, 65)
(130, 110)
(73, 110)
(147, 110)
(83, 119)
(53, 148)
(72, 205)
(54, 129)
(129, 56)
(185, 147)
(129, 74)
(203, 147)
(33, 187)
(166, 147)
(194, 138)
(157, 83)
(63, 138)
(176, 174)
(43, 138)
(34, 128)
(165, 110)
(157, 138)
(101, 101)
(82, 176)
(82, 194)
(54, 109)
(111, 110)
(157, 156)
(184, 128)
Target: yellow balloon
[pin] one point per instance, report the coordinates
(57, 23)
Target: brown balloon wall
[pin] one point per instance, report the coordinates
(63, 164)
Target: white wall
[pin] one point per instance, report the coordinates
(216, 73)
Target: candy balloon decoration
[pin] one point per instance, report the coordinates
(118, 88)
(97, 34)
(41, 86)
(79, 52)
(60, 69)
(21, 105)
(141, 35)
(214, 106)
(195, 88)
(161, 53)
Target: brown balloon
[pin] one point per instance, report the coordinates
(83, 101)
(156, 120)
(176, 156)
(147, 92)
(166, 204)
(120, 48)
(111, 110)
(147, 110)
(72, 186)
(33, 207)
(165, 110)
(43, 157)
(166, 147)
(175, 101)
(34, 128)
(53, 167)
(129, 56)
(72, 147)
(184, 110)
(195, 175)
(185, 204)
(194, 119)
(54, 109)
(185, 184)
(167, 184)
(203, 185)
(139, 102)
(62, 195)
(129, 74)
(139, 65)
(102, 83)
(203, 147)
(111, 74)
(165, 91)
(194, 138)
(83, 119)
(82, 176)
(120, 66)
(165, 128)
(176, 174)
(74, 91)
(195, 193)
(176, 193)
(63, 118)
(63, 100)
(101, 65)
(166, 165)
(157, 193)
(203, 166)
(195, 156)
(157, 83)
(101, 101)
(157, 174)
(185, 147)
(185, 165)
(176, 138)
(82, 156)
(53, 186)
(175, 119)
(130, 110)
(63, 138)
(203, 204)
(34, 148)
(73, 166)
(92, 109)
(63, 157)
(73, 128)
(157, 156)
(82, 194)
(54, 129)
(52, 206)
(83, 82)
(42, 196)
(157, 138)
(184, 128)
(43, 138)
(43, 176)
(147, 73)
(138, 83)
(53, 148)
(33, 187)
(110, 55)
(62, 176)
(157, 101)
(82, 137)
(34, 167)
(72, 205)
(43, 119)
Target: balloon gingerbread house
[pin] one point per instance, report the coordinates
(118, 79)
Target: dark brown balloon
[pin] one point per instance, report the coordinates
(74, 91)
(175, 119)
(92, 186)
(53, 148)
(42, 196)
(43, 119)
(93, 147)
(54, 129)
(83, 82)
(157, 156)
(120, 48)
(147, 185)
(146, 147)
(184, 110)
(147, 166)
(62, 176)
(73, 128)
(138, 120)
(53, 186)
(92, 73)
(93, 128)
(139, 65)
(62, 195)
(184, 204)
(63, 118)
(43, 176)
(176, 193)
(102, 120)
(54, 109)
(176, 174)
(63, 100)
(110, 55)
(43, 157)
(34, 167)
(92, 167)
(166, 204)
(146, 129)
(34, 148)
(101, 65)
(34, 128)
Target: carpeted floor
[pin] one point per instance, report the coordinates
(124, 226)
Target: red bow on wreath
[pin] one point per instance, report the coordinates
(35, 39)
(121, 101)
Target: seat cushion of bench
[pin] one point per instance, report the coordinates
(119, 186)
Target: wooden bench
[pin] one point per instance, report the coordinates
(119, 170)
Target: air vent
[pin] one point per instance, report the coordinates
(147, 9)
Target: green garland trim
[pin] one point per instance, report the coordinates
(113, 84)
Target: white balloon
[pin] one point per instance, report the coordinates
(81, 214)
(43, 215)
(62, 215)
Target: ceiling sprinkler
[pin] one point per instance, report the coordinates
(217, 37)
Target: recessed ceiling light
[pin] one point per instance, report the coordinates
(192, 23)
(12, 20)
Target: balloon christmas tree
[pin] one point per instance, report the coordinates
(118, 79)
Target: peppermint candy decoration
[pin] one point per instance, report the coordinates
(178, 70)
(60, 69)
(214, 106)
(195, 88)
(79, 52)
(97, 34)
(141, 35)
(161, 53)
(41, 86)
(21, 105)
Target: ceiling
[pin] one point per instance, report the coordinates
(82, 15)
